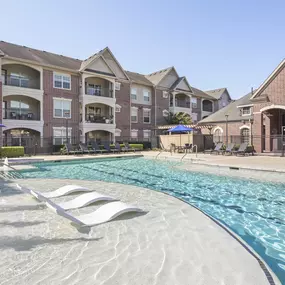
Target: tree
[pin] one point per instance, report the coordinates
(179, 118)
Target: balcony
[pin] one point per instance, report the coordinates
(103, 92)
(23, 82)
(20, 114)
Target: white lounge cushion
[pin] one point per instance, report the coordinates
(84, 200)
(104, 214)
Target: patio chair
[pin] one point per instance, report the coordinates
(104, 214)
(118, 147)
(62, 191)
(108, 147)
(84, 148)
(188, 147)
(241, 150)
(78, 202)
(96, 148)
(216, 149)
(128, 148)
(67, 149)
(229, 149)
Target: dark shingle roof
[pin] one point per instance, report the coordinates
(231, 110)
(216, 93)
(42, 57)
(138, 78)
(200, 93)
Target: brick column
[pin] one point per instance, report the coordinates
(257, 132)
(267, 133)
(1, 100)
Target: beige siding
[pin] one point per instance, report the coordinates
(100, 65)
(169, 79)
(183, 85)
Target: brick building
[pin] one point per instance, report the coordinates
(258, 117)
(45, 95)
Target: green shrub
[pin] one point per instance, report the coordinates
(12, 151)
(136, 146)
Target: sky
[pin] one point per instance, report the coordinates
(214, 43)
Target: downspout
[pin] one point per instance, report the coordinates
(155, 110)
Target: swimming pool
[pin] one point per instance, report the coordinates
(254, 210)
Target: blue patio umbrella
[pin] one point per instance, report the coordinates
(180, 129)
(2, 126)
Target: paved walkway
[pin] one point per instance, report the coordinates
(173, 243)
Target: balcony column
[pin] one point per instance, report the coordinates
(83, 84)
(113, 110)
(173, 102)
(83, 112)
(41, 110)
(42, 80)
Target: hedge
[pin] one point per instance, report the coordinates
(12, 151)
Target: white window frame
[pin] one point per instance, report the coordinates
(147, 132)
(63, 134)
(165, 94)
(242, 113)
(118, 132)
(148, 96)
(134, 132)
(117, 85)
(194, 104)
(148, 110)
(62, 75)
(118, 108)
(136, 110)
(62, 100)
(134, 93)
(165, 113)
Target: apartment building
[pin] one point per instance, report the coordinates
(48, 97)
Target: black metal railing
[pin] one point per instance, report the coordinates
(181, 104)
(20, 114)
(25, 82)
(100, 119)
(104, 92)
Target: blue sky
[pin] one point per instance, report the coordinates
(214, 43)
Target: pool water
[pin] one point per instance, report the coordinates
(254, 210)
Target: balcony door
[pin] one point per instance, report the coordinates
(4, 76)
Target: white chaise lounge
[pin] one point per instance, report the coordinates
(104, 214)
(78, 202)
(62, 191)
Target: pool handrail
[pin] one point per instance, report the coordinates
(194, 146)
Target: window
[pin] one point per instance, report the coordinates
(146, 116)
(194, 102)
(246, 111)
(134, 94)
(18, 105)
(118, 133)
(118, 108)
(165, 94)
(146, 96)
(165, 113)
(146, 134)
(61, 81)
(93, 89)
(61, 108)
(245, 135)
(134, 115)
(117, 85)
(59, 135)
(194, 117)
(134, 133)
(218, 135)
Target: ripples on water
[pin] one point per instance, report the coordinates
(254, 210)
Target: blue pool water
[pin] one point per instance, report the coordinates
(254, 210)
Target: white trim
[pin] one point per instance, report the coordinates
(148, 110)
(247, 105)
(117, 85)
(61, 117)
(255, 113)
(136, 109)
(61, 98)
(148, 132)
(119, 107)
(218, 128)
(272, 107)
(133, 107)
(164, 113)
(60, 128)
(275, 71)
(244, 115)
(62, 75)
(133, 130)
(244, 127)
(118, 132)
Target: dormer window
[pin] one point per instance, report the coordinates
(246, 111)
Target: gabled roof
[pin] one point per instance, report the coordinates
(39, 56)
(176, 84)
(231, 110)
(90, 59)
(269, 79)
(157, 76)
(217, 93)
(138, 78)
(199, 93)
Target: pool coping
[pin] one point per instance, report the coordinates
(270, 275)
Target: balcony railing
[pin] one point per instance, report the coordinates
(20, 114)
(181, 104)
(207, 109)
(99, 119)
(104, 92)
(24, 82)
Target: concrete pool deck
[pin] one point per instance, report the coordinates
(173, 243)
